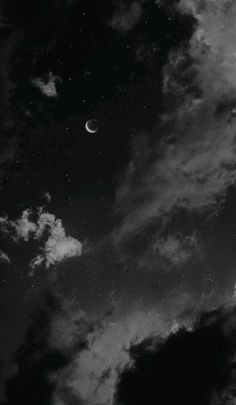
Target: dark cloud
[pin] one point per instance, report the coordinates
(67, 359)
(192, 366)
(92, 373)
(37, 358)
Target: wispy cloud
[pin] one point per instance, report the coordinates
(47, 196)
(47, 85)
(126, 16)
(176, 249)
(4, 258)
(47, 229)
(21, 229)
(189, 160)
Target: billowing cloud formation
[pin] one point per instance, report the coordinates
(91, 377)
(68, 358)
(21, 229)
(195, 366)
(189, 160)
(126, 16)
(48, 86)
(57, 247)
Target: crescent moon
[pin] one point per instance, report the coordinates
(91, 131)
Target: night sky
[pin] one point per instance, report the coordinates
(118, 202)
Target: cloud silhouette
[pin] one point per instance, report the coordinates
(192, 366)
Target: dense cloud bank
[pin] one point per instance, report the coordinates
(68, 359)
(195, 366)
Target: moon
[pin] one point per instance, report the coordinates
(92, 126)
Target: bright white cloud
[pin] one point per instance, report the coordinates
(24, 227)
(20, 229)
(58, 246)
(43, 226)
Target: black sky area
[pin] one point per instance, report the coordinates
(100, 76)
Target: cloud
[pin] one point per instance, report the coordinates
(176, 249)
(47, 86)
(69, 358)
(39, 225)
(58, 246)
(126, 16)
(36, 360)
(188, 161)
(163, 252)
(47, 196)
(92, 375)
(4, 258)
(21, 229)
(195, 365)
